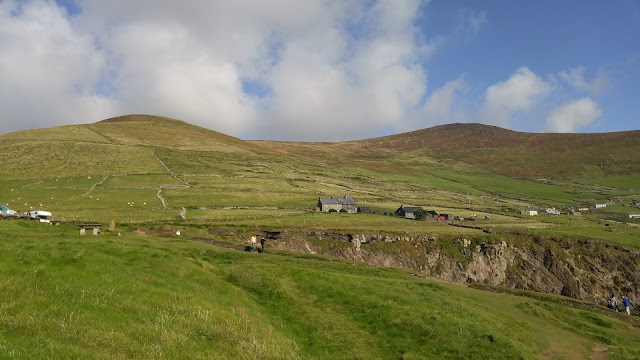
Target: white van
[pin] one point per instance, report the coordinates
(41, 215)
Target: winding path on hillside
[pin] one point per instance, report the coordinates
(93, 187)
(162, 199)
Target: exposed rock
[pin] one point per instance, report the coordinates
(583, 269)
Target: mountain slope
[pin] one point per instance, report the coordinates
(501, 151)
(123, 145)
(155, 131)
(520, 154)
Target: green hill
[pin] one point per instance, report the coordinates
(149, 293)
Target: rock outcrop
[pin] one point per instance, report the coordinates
(581, 269)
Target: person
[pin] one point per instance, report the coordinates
(253, 243)
(627, 305)
(262, 242)
(612, 303)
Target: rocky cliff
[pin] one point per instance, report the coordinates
(583, 269)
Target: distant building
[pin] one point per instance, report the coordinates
(530, 211)
(432, 215)
(583, 208)
(364, 209)
(552, 211)
(338, 203)
(634, 216)
(443, 217)
(598, 206)
(407, 212)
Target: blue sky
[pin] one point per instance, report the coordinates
(322, 70)
(549, 37)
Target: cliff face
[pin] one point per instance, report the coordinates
(582, 269)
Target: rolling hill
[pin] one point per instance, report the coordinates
(145, 292)
(501, 151)
(463, 167)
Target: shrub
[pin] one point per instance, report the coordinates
(333, 210)
(343, 210)
(420, 214)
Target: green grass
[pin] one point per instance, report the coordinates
(626, 182)
(140, 181)
(135, 296)
(41, 159)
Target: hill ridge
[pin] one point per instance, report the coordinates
(495, 149)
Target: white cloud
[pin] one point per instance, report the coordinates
(575, 77)
(472, 21)
(573, 116)
(282, 69)
(352, 65)
(439, 107)
(49, 70)
(165, 71)
(519, 93)
(478, 21)
(327, 87)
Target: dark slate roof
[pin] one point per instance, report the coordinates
(432, 212)
(410, 209)
(343, 200)
(530, 209)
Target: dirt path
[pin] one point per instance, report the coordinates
(162, 199)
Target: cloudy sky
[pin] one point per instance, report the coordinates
(323, 69)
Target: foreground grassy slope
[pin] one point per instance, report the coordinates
(139, 296)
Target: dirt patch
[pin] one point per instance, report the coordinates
(140, 232)
(551, 354)
(599, 352)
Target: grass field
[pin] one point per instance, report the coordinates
(151, 294)
(138, 296)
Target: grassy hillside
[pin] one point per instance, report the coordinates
(151, 294)
(524, 155)
(160, 296)
(145, 168)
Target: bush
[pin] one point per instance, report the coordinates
(343, 210)
(333, 210)
(420, 214)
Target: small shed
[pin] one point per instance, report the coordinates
(96, 228)
(443, 217)
(432, 215)
(364, 209)
(530, 211)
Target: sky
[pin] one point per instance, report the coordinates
(323, 70)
